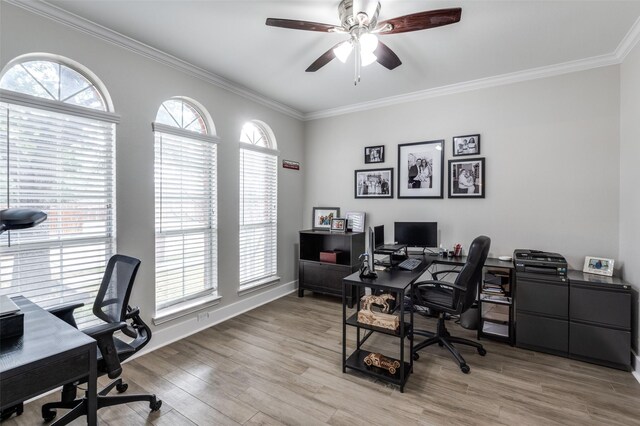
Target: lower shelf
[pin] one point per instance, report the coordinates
(356, 362)
(495, 329)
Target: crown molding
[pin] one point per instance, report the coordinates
(483, 83)
(49, 11)
(629, 41)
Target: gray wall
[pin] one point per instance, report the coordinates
(138, 86)
(629, 169)
(552, 156)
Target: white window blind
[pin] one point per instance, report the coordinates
(258, 216)
(62, 164)
(186, 216)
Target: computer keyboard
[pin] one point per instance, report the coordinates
(410, 264)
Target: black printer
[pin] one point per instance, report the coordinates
(540, 262)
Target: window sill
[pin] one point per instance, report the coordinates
(185, 308)
(257, 285)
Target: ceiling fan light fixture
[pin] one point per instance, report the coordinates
(367, 58)
(368, 42)
(343, 51)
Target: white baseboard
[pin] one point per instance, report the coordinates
(636, 372)
(172, 334)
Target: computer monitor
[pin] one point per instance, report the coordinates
(379, 235)
(416, 234)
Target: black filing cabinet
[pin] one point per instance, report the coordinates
(600, 320)
(542, 313)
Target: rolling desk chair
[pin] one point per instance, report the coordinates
(111, 306)
(452, 298)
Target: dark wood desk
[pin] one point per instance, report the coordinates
(396, 281)
(49, 354)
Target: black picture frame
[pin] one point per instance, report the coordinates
(466, 145)
(321, 218)
(373, 183)
(426, 181)
(477, 168)
(374, 154)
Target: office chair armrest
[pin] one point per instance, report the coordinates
(103, 333)
(444, 271)
(438, 283)
(65, 312)
(132, 312)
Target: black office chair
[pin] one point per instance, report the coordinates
(445, 298)
(111, 306)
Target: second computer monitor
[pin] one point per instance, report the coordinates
(416, 234)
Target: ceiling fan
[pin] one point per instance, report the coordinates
(361, 24)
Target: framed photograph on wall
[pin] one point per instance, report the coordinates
(466, 145)
(373, 183)
(466, 178)
(374, 154)
(598, 265)
(355, 221)
(322, 217)
(421, 169)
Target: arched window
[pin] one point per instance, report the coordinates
(57, 140)
(186, 206)
(258, 206)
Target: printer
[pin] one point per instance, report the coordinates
(540, 262)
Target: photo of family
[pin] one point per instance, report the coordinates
(466, 178)
(420, 169)
(375, 183)
(322, 216)
(374, 154)
(466, 145)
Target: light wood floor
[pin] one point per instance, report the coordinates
(281, 364)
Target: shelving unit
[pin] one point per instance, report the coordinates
(397, 282)
(326, 277)
(495, 305)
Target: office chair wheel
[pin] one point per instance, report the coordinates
(416, 356)
(482, 351)
(155, 405)
(122, 387)
(49, 415)
(465, 368)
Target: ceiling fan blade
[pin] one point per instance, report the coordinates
(323, 60)
(386, 57)
(422, 20)
(301, 25)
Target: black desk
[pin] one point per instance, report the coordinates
(398, 282)
(48, 355)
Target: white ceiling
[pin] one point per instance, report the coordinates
(230, 39)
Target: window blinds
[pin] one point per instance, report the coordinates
(64, 165)
(186, 217)
(258, 216)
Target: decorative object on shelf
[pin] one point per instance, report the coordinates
(355, 221)
(381, 361)
(378, 319)
(457, 250)
(466, 178)
(374, 183)
(381, 301)
(331, 256)
(598, 265)
(374, 154)
(421, 169)
(338, 224)
(322, 217)
(288, 164)
(466, 145)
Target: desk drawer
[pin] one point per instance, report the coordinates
(19, 387)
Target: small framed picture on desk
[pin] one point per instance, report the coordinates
(598, 265)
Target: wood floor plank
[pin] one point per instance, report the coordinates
(280, 364)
